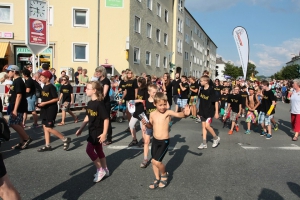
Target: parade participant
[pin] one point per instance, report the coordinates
(295, 109)
(167, 87)
(268, 103)
(18, 106)
(244, 95)
(98, 125)
(66, 99)
(184, 91)
(159, 122)
(234, 106)
(223, 101)
(218, 88)
(49, 111)
(252, 103)
(140, 108)
(76, 75)
(194, 87)
(150, 107)
(175, 86)
(208, 108)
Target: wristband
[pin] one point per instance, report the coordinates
(270, 110)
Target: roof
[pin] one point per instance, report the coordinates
(220, 61)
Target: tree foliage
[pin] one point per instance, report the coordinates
(287, 72)
(235, 71)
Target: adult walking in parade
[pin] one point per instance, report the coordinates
(295, 109)
(167, 87)
(175, 85)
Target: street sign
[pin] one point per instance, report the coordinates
(36, 15)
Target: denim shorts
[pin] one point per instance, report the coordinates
(182, 102)
(31, 103)
(15, 121)
(264, 119)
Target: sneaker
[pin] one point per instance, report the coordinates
(191, 116)
(106, 172)
(144, 164)
(99, 175)
(276, 127)
(198, 120)
(34, 126)
(243, 115)
(216, 142)
(248, 132)
(230, 132)
(269, 136)
(133, 143)
(202, 146)
(263, 133)
(237, 128)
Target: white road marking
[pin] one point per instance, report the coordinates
(134, 147)
(250, 148)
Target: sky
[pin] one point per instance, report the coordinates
(273, 28)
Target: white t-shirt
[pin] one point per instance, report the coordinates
(295, 103)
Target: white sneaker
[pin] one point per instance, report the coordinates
(198, 120)
(202, 146)
(99, 176)
(243, 115)
(106, 172)
(215, 142)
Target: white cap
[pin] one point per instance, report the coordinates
(7, 82)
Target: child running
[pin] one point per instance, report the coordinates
(235, 104)
(98, 126)
(252, 104)
(49, 111)
(159, 122)
(208, 108)
(150, 107)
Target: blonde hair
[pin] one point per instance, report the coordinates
(99, 89)
(152, 86)
(205, 78)
(102, 70)
(159, 96)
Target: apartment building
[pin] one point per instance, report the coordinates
(143, 35)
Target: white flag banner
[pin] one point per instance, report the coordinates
(242, 43)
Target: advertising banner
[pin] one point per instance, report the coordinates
(38, 32)
(242, 43)
(114, 3)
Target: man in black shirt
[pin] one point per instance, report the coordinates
(175, 85)
(18, 105)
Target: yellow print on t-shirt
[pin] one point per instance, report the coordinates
(139, 97)
(150, 110)
(129, 85)
(92, 113)
(266, 97)
(244, 95)
(204, 96)
(45, 94)
(65, 91)
(234, 100)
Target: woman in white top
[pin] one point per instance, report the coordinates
(295, 108)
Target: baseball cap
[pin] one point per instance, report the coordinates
(251, 88)
(47, 74)
(13, 68)
(7, 82)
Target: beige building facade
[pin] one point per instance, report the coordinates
(143, 35)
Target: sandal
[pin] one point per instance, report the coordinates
(61, 124)
(17, 146)
(154, 185)
(76, 120)
(26, 143)
(107, 143)
(295, 138)
(45, 148)
(164, 182)
(67, 142)
(144, 164)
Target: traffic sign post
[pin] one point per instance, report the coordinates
(37, 29)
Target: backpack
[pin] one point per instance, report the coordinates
(4, 130)
(38, 89)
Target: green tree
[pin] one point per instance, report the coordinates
(231, 70)
(287, 72)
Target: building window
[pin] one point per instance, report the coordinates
(149, 30)
(136, 55)
(50, 15)
(157, 60)
(166, 16)
(139, 0)
(180, 5)
(137, 24)
(149, 4)
(6, 13)
(148, 58)
(165, 62)
(179, 46)
(186, 55)
(158, 10)
(80, 52)
(157, 35)
(179, 24)
(166, 39)
(80, 17)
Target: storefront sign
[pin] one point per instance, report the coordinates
(114, 3)
(25, 50)
(8, 35)
(38, 32)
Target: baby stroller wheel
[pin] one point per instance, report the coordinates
(119, 119)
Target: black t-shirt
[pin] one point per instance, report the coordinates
(224, 98)
(18, 87)
(104, 82)
(194, 86)
(184, 94)
(218, 90)
(169, 93)
(29, 83)
(207, 102)
(131, 85)
(76, 79)
(175, 85)
(122, 85)
(94, 111)
(244, 96)
(49, 111)
(150, 107)
(139, 107)
(66, 90)
(266, 101)
(235, 101)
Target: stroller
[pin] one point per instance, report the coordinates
(116, 108)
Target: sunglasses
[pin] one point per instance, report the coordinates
(63, 79)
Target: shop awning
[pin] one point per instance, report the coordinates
(3, 49)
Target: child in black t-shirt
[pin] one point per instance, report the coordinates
(66, 98)
(223, 101)
(244, 95)
(234, 106)
(183, 92)
(194, 87)
(98, 121)
(208, 108)
(49, 111)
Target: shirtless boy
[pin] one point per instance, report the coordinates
(252, 103)
(159, 122)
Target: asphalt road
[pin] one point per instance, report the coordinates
(241, 167)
